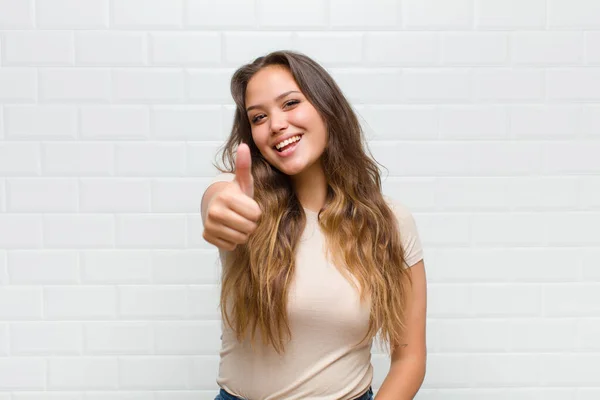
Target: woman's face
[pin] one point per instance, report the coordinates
(277, 111)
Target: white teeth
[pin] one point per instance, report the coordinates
(286, 142)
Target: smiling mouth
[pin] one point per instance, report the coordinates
(289, 144)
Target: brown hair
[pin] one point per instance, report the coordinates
(361, 229)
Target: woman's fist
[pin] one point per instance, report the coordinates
(232, 214)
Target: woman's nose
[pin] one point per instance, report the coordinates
(278, 122)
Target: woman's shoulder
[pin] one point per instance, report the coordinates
(400, 209)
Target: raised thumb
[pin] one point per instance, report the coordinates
(243, 167)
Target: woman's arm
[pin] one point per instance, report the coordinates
(407, 369)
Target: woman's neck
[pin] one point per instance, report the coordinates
(311, 187)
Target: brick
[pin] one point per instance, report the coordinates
(480, 48)
(546, 48)
(27, 373)
(542, 335)
(141, 159)
(20, 231)
(575, 229)
(364, 14)
(19, 159)
(200, 158)
(151, 231)
(187, 122)
(148, 86)
(417, 121)
(209, 86)
(42, 122)
(114, 195)
(543, 193)
(203, 301)
(438, 14)
(436, 85)
(478, 122)
(20, 303)
(589, 263)
(104, 48)
(570, 157)
(114, 338)
(45, 338)
(500, 84)
(514, 229)
(153, 302)
(330, 48)
(181, 267)
(589, 194)
(115, 122)
(154, 372)
(592, 47)
(571, 300)
(31, 48)
(116, 266)
(72, 14)
(74, 85)
(590, 121)
(498, 300)
(569, 369)
(574, 84)
(510, 14)
(505, 158)
(43, 267)
(83, 373)
(233, 14)
(19, 85)
(402, 48)
(369, 86)
(468, 335)
(168, 194)
(305, 15)
(80, 302)
(448, 300)
(78, 159)
(78, 231)
(242, 48)
(187, 337)
(4, 342)
(537, 121)
(503, 265)
(199, 368)
(580, 14)
(139, 14)
(185, 49)
(418, 159)
(588, 331)
(16, 15)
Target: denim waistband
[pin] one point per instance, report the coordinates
(227, 396)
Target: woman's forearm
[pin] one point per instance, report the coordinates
(403, 380)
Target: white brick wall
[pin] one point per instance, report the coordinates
(485, 113)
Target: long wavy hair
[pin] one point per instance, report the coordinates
(361, 230)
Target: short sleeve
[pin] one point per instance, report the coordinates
(223, 177)
(409, 234)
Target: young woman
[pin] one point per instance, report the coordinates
(316, 261)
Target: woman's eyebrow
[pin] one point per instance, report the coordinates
(282, 95)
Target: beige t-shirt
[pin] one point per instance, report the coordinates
(326, 320)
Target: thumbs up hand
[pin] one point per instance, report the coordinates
(232, 213)
(243, 167)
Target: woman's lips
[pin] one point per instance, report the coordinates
(290, 150)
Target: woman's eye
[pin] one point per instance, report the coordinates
(257, 118)
(291, 103)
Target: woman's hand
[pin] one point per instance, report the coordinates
(232, 213)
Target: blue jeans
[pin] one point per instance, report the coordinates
(224, 395)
